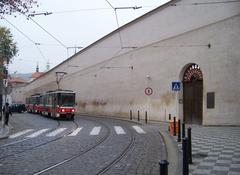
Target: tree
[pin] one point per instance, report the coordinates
(11, 6)
(8, 50)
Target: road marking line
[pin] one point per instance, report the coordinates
(75, 132)
(12, 143)
(119, 130)
(56, 132)
(95, 131)
(20, 133)
(139, 130)
(37, 133)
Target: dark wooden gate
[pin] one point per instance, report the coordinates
(193, 95)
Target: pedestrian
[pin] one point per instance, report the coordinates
(6, 112)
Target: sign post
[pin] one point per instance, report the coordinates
(176, 87)
(148, 91)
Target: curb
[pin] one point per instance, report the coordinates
(173, 154)
(110, 117)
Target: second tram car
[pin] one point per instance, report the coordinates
(32, 103)
(58, 103)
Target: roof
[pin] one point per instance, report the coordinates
(59, 91)
(17, 80)
(37, 74)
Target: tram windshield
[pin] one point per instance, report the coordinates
(67, 100)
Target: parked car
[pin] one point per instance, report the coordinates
(18, 108)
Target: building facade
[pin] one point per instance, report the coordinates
(134, 67)
(16, 93)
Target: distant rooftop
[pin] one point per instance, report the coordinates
(37, 74)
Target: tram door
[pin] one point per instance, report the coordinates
(54, 104)
(193, 95)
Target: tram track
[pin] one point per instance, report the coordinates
(39, 145)
(120, 157)
(123, 153)
(80, 153)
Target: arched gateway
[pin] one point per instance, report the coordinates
(193, 95)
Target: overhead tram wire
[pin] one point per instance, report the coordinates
(35, 44)
(65, 11)
(115, 11)
(32, 14)
(61, 43)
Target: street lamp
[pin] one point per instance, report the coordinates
(59, 77)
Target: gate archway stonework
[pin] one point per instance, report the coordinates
(192, 94)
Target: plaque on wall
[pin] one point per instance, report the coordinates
(210, 100)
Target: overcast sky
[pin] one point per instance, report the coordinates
(72, 23)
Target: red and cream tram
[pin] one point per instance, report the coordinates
(58, 103)
(32, 103)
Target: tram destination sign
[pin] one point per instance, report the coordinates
(176, 86)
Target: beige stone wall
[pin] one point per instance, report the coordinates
(111, 80)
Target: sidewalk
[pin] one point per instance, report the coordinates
(215, 150)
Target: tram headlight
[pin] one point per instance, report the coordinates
(63, 110)
(73, 110)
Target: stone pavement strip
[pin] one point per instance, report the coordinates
(4, 131)
(215, 150)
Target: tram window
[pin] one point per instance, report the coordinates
(49, 100)
(59, 99)
(67, 100)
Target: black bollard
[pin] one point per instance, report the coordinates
(138, 116)
(185, 157)
(183, 129)
(169, 119)
(130, 114)
(179, 130)
(190, 145)
(174, 126)
(145, 116)
(163, 167)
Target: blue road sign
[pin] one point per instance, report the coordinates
(176, 86)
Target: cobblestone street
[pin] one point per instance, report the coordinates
(88, 145)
